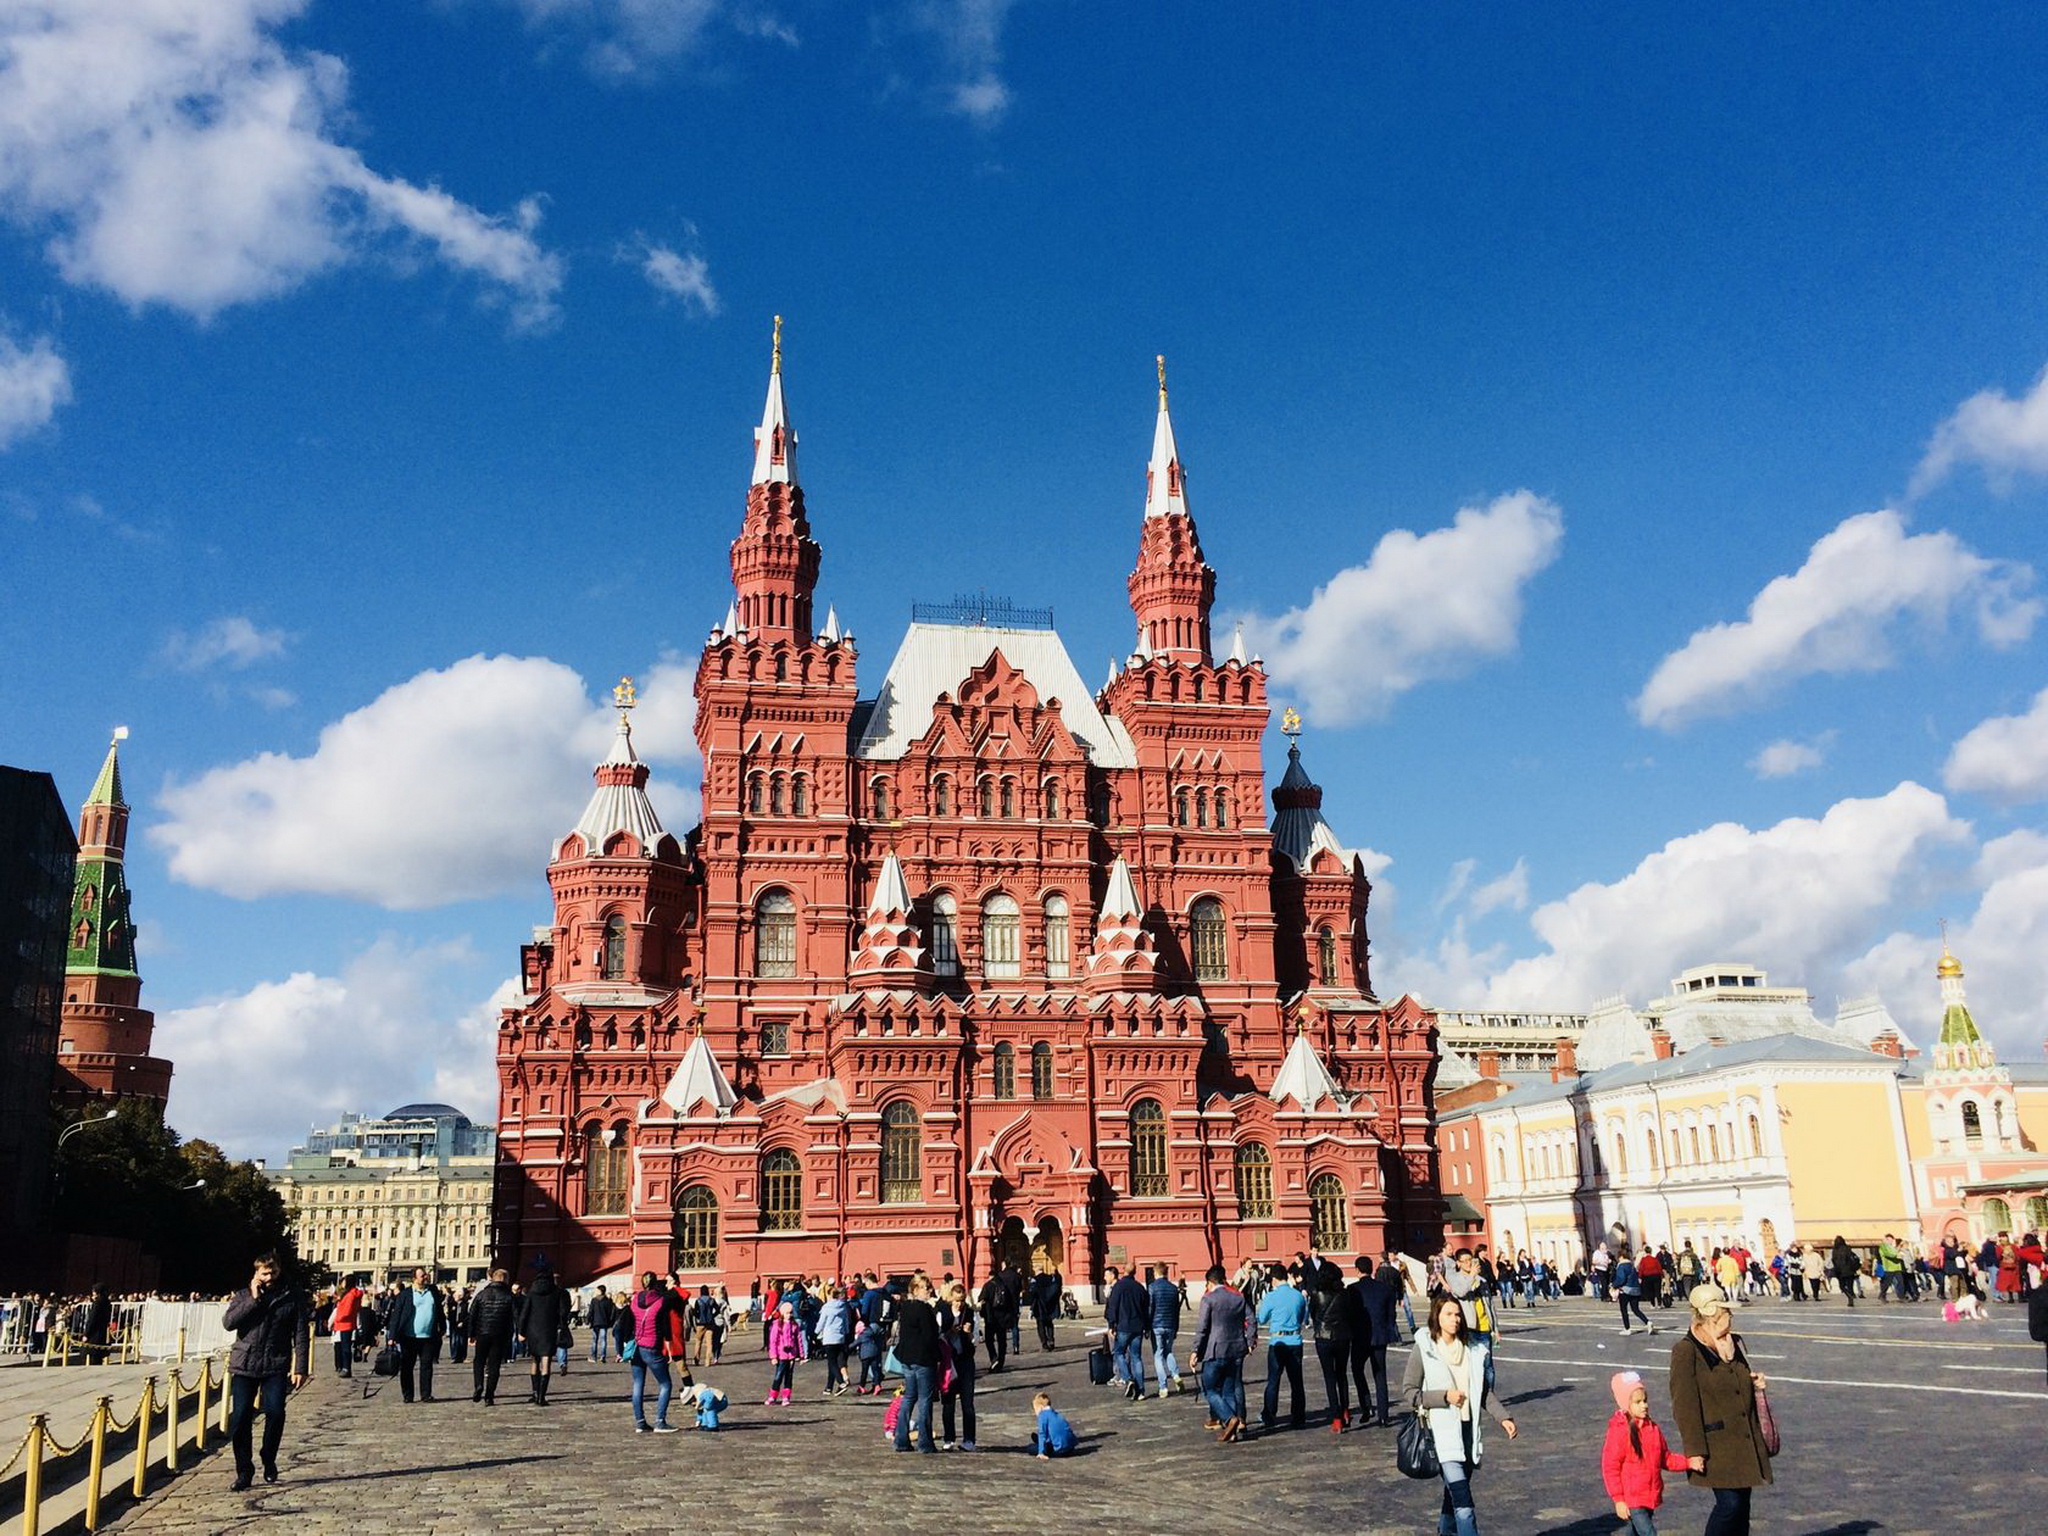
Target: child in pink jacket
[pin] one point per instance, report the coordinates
(785, 1345)
(1636, 1456)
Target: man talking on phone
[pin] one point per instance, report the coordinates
(271, 1323)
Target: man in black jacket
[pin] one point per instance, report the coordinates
(1373, 1330)
(1127, 1310)
(419, 1321)
(493, 1313)
(272, 1325)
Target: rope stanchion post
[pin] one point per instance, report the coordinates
(32, 1477)
(100, 1415)
(142, 1436)
(171, 1422)
(199, 1420)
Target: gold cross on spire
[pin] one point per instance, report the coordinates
(1290, 723)
(1161, 360)
(775, 362)
(624, 697)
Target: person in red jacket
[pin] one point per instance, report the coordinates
(1636, 1456)
(347, 1307)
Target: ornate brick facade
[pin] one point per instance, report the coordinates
(981, 965)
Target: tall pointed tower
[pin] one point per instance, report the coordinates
(775, 559)
(1973, 1113)
(1172, 587)
(104, 1039)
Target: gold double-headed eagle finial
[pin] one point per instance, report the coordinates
(1290, 722)
(1161, 360)
(624, 697)
(775, 362)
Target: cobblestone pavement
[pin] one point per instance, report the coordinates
(1893, 1422)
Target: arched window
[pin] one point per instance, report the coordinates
(1329, 1227)
(782, 1192)
(878, 797)
(613, 965)
(1997, 1217)
(1206, 940)
(1326, 958)
(2037, 1214)
(777, 805)
(1693, 1136)
(945, 943)
(1254, 1182)
(800, 796)
(775, 934)
(781, 667)
(1098, 804)
(1009, 798)
(1201, 807)
(1006, 1071)
(1182, 801)
(1650, 1147)
(1223, 808)
(1049, 794)
(999, 925)
(696, 1235)
(1973, 1123)
(986, 794)
(604, 1172)
(1756, 1137)
(1058, 940)
(942, 796)
(902, 1154)
(1713, 1145)
(1148, 1149)
(753, 794)
(1041, 1071)
(1620, 1151)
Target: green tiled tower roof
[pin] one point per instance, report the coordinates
(106, 789)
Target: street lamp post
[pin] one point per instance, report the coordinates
(70, 1131)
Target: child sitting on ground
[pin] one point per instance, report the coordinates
(708, 1402)
(1051, 1435)
(1636, 1456)
(1966, 1308)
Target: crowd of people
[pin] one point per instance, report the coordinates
(925, 1342)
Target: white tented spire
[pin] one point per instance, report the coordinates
(698, 1081)
(1237, 646)
(892, 891)
(1166, 490)
(1303, 1077)
(731, 625)
(1115, 672)
(775, 439)
(831, 631)
(1121, 899)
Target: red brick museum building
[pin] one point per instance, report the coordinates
(982, 965)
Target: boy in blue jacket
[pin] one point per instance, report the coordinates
(1053, 1435)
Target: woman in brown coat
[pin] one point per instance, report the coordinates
(1713, 1401)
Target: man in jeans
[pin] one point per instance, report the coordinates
(343, 1325)
(656, 1314)
(601, 1314)
(1219, 1351)
(493, 1315)
(1165, 1298)
(1283, 1312)
(270, 1321)
(1128, 1312)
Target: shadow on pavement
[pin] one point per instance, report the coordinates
(479, 1465)
(1537, 1394)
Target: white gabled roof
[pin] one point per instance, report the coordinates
(936, 658)
(1304, 1079)
(699, 1080)
(618, 807)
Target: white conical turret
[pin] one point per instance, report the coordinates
(1304, 1079)
(1237, 646)
(775, 439)
(1165, 484)
(830, 635)
(699, 1082)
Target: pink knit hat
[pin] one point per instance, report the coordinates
(1624, 1384)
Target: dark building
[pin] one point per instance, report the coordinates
(37, 853)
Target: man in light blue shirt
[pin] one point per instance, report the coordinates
(1283, 1313)
(418, 1322)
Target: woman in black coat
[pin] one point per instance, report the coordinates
(543, 1318)
(1847, 1266)
(917, 1351)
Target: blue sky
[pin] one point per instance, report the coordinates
(1624, 437)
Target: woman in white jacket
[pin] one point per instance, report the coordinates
(1450, 1381)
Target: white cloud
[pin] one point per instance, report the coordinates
(969, 35)
(34, 381)
(1783, 759)
(1799, 897)
(1510, 890)
(1838, 613)
(388, 1030)
(179, 153)
(684, 277)
(446, 787)
(234, 641)
(1993, 430)
(2005, 757)
(1424, 607)
(631, 39)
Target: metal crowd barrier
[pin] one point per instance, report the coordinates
(40, 1450)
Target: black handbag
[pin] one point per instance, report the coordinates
(386, 1363)
(1415, 1447)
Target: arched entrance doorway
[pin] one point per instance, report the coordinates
(1013, 1246)
(1049, 1247)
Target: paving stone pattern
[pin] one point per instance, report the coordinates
(1894, 1422)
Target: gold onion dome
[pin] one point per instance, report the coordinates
(1950, 965)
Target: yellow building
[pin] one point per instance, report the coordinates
(1766, 1140)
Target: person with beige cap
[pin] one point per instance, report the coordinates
(1714, 1397)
